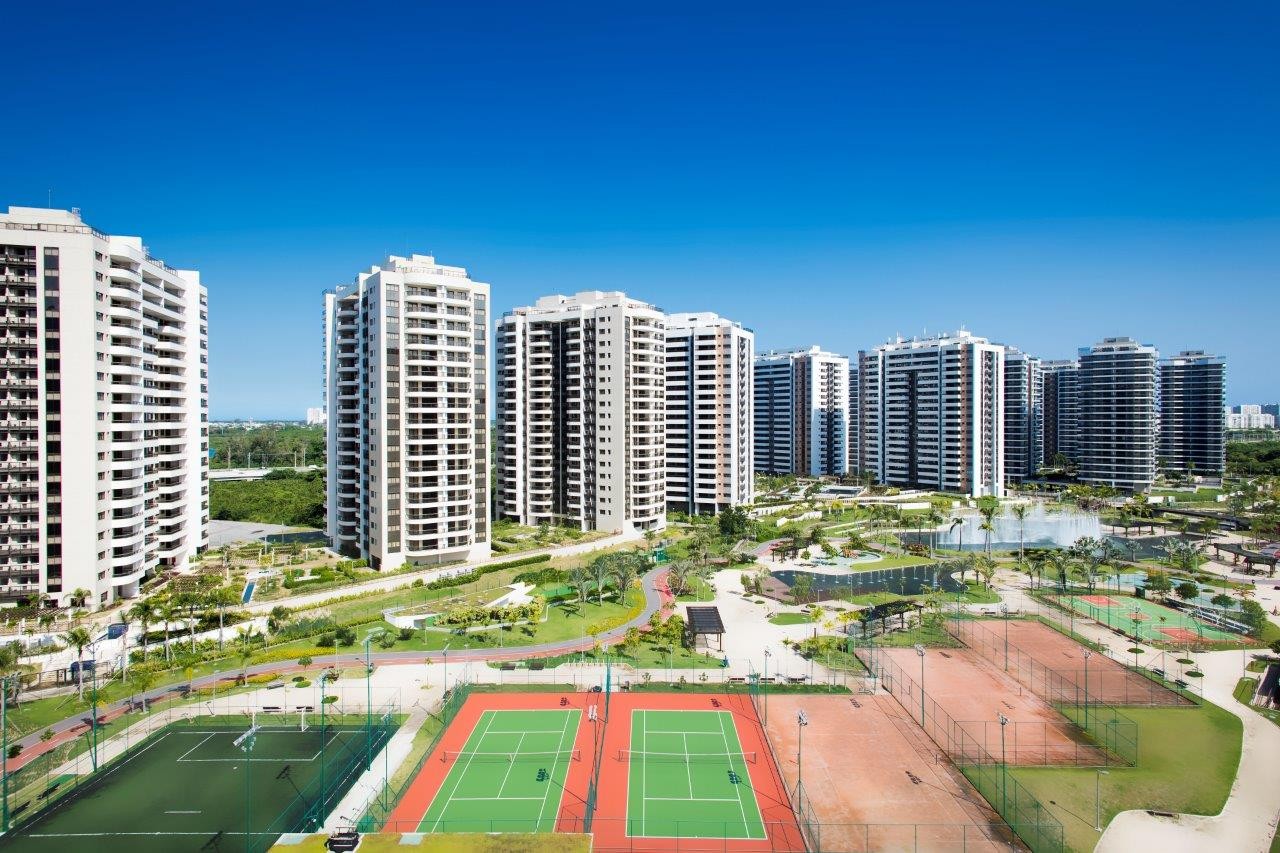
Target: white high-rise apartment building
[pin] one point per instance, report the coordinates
(1023, 415)
(581, 412)
(1193, 394)
(802, 412)
(1250, 420)
(407, 397)
(1119, 417)
(709, 418)
(1061, 410)
(933, 414)
(103, 411)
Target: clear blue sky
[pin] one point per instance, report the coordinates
(1043, 174)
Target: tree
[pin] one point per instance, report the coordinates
(1222, 600)
(988, 507)
(935, 519)
(80, 597)
(168, 609)
(987, 569)
(802, 586)
(1253, 615)
(625, 572)
(277, 618)
(580, 580)
(601, 569)
(11, 670)
(142, 680)
(958, 522)
(143, 612)
(678, 578)
(78, 638)
(1187, 590)
(1020, 512)
(1158, 582)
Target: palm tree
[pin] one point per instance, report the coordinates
(580, 579)
(142, 680)
(10, 672)
(681, 571)
(1020, 512)
(935, 519)
(168, 610)
(143, 612)
(601, 569)
(625, 572)
(958, 522)
(79, 638)
(223, 597)
(1061, 562)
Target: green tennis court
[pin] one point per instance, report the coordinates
(689, 778)
(509, 776)
(1151, 621)
(189, 787)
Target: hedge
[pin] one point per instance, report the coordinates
(479, 572)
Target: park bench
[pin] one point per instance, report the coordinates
(1158, 671)
(271, 709)
(737, 679)
(797, 679)
(1181, 684)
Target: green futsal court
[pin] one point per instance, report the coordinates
(190, 787)
(509, 776)
(688, 777)
(1148, 620)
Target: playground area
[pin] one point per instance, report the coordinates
(1147, 620)
(874, 781)
(212, 783)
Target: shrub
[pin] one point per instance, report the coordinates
(326, 641)
(477, 573)
(346, 636)
(408, 633)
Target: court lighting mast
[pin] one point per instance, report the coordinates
(368, 701)
(802, 720)
(1088, 653)
(920, 651)
(1004, 766)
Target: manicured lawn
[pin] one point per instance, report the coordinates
(1245, 688)
(1187, 759)
(791, 619)
(927, 635)
(644, 656)
(699, 589)
(893, 561)
(506, 842)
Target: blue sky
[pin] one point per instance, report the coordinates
(1042, 174)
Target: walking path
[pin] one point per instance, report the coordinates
(653, 583)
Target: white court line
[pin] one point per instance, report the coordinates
(571, 715)
(688, 766)
(510, 766)
(489, 715)
(696, 799)
(491, 799)
(194, 748)
(178, 811)
(738, 789)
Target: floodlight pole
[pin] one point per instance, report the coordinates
(1088, 653)
(248, 796)
(93, 698)
(1004, 610)
(368, 701)
(763, 692)
(1004, 766)
(802, 720)
(920, 651)
(324, 676)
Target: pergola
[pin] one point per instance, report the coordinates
(705, 621)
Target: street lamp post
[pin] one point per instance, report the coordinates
(802, 720)
(445, 653)
(1097, 799)
(920, 652)
(1004, 765)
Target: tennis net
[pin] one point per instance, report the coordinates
(726, 758)
(450, 756)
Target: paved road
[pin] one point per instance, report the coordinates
(656, 595)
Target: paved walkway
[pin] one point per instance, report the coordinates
(652, 582)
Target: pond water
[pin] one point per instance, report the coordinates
(1042, 528)
(906, 581)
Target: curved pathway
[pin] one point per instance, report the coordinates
(657, 596)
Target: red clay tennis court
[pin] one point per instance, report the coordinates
(974, 693)
(876, 781)
(1053, 665)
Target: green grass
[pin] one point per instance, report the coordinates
(933, 636)
(1187, 760)
(791, 619)
(1243, 693)
(670, 795)
(699, 589)
(191, 779)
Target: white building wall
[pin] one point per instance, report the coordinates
(709, 422)
(119, 347)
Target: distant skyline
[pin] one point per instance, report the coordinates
(825, 174)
